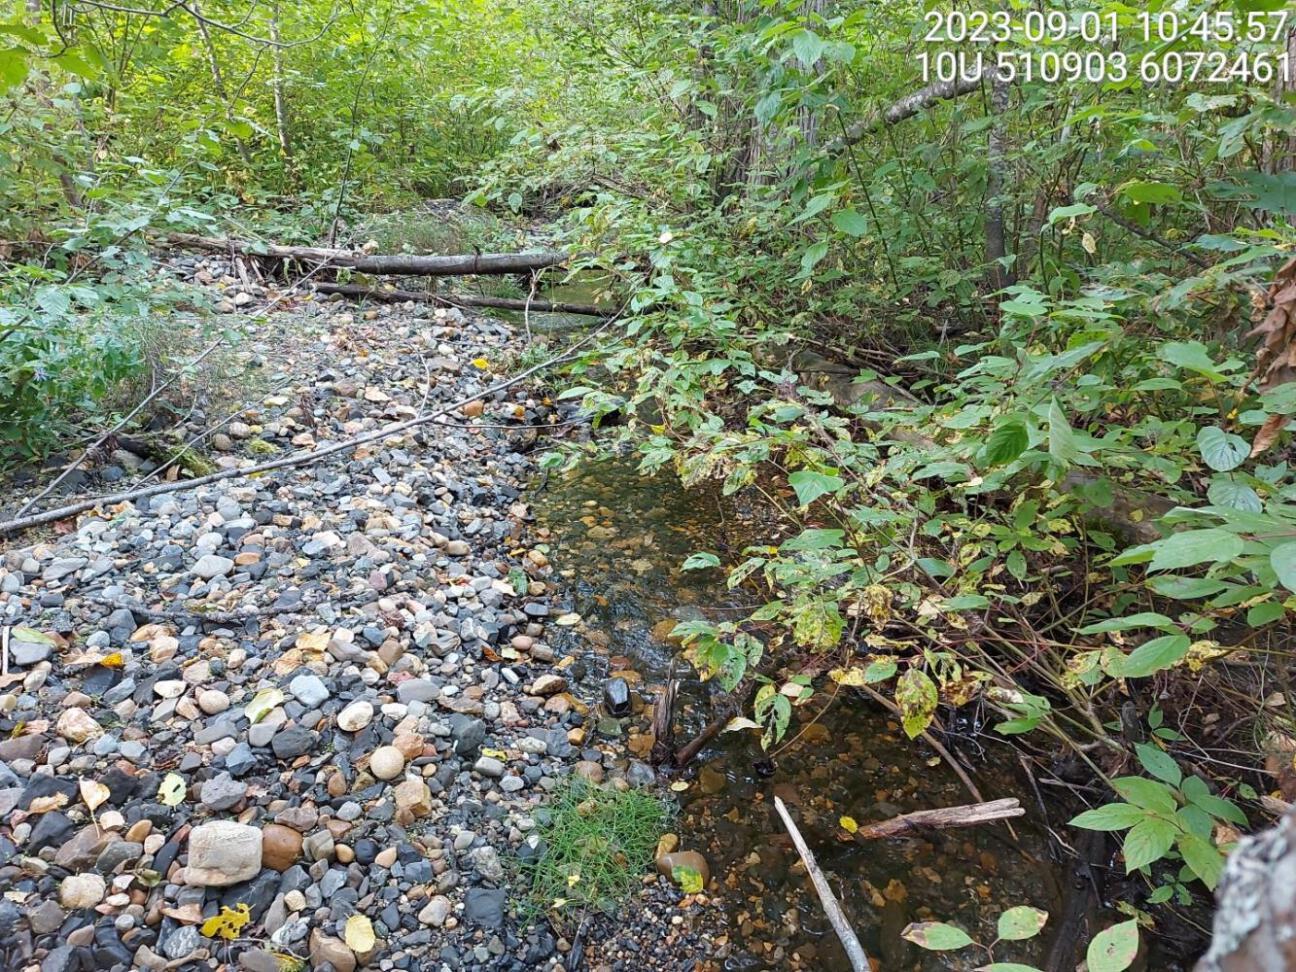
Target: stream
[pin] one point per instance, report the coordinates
(617, 540)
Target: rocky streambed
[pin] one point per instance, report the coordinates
(318, 695)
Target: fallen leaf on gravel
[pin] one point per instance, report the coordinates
(569, 619)
(47, 803)
(229, 922)
(93, 793)
(848, 824)
(262, 703)
(359, 934)
(172, 790)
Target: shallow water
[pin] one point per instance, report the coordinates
(618, 539)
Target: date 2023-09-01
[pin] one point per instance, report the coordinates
(1216, 47)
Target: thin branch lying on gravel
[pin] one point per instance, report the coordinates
(850, 941)
(297, 458)
(392, 296)
(157, 390)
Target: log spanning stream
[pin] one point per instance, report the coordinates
(618, 540)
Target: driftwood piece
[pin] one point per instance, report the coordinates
(688, 752)
(968, 815)
(663, 722)
(850, 942)
(462, 300)
(409, 264)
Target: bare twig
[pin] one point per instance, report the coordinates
(302, 458)
(850, 942)
(965, 816)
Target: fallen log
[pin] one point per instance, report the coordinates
(965, 816)
(409, 264)
(393, 296)
(845, 934)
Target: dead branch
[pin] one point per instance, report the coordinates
(850, 942)
(968, 815)
(302, 458)
(393, 296)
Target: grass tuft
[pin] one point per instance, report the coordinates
(598, 843)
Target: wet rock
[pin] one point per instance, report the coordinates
(387, 762)
(616, 697)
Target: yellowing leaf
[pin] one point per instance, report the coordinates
(262, 703)
(494, 753)
(679, 786)
(314, 640)
(689, 879)
(359, 934)
(481, 363)
(738, 723)
(848, 824)
(94, 794)
(228, 923)
(113, 660)
(172, 791)
(47, 803)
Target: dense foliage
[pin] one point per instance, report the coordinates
(1037, 464)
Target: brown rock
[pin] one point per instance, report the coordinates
(414, 797)
(589, 770)
(280, 846)
(332, 950)
(667, 863)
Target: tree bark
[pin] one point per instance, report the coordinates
(908, 106)
(462, 300)
(410, 264)
(998, 275)
(280, 102)
(218, 82)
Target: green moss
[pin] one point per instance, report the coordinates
(260, 447)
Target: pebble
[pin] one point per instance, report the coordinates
(387, 762)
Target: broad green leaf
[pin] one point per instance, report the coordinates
(850, 222)
(1007, 441)
(1144, 619)
(1155, 656)
(916, 696)
(1062, 446)
(815, 538)
(1110, 816)
(1159, 764)
(1158, 193)
(1191, 356)
(1114, 949)
(810, 485)
(1070, 212)
(1193, 547)
(808, 47)
(701, 561)
(1283, 560)
(1145, 793)
(812, 256)
(1222, 450)
(1184, 588)
(1239, 496)
(1020, 923)
(936, 936)
(1203, 857)
(1147, 842)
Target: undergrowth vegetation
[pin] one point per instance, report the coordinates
(597, 842)
(1052, 496)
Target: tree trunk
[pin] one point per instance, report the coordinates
(409, 264)
(998, 276)
(280, 103)
(218, 82)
